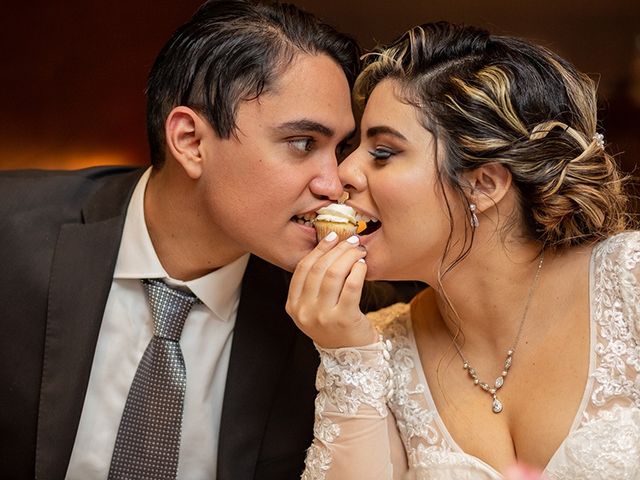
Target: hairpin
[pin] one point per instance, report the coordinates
(599, 139)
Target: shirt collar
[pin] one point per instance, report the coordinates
(137, 259)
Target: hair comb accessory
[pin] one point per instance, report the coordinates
(599, 139)
(543, 129)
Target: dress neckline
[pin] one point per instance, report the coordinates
(422, 379)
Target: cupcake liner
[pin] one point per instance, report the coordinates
(344, 230)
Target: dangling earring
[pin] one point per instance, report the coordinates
(474, 218)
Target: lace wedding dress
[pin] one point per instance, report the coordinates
(358, 387)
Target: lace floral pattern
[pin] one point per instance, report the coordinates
(604, 447)
(325, 431)
(604, 442)
(415, 421)
(617, 315)
(350, 377)
(347, 379)
(448, 464)
(317, 463)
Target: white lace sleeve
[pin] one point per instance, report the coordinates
(350, 432)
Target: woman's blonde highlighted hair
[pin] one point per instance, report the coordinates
(500, 99)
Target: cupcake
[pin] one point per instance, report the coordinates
(337, 218)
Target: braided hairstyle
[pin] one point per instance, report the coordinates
(490, 98)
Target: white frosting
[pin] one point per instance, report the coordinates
(337, 213)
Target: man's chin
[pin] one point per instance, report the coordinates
(286, 260)
(288, 249)
(290, 262)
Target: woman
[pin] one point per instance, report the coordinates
(481, 160)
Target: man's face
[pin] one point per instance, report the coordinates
(282, 163)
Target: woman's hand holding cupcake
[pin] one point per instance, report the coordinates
(325, 292)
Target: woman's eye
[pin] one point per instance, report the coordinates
(301, 145)
(381, 154)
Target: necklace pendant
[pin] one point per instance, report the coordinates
(496, 406)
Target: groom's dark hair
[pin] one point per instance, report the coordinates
(234, 50)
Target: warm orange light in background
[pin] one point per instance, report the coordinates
(63, 160)
(73, 73)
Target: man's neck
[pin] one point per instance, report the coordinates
(186, 246)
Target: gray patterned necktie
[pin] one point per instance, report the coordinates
(148, 441)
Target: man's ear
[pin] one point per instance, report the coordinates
(488, 185)
(184, 131)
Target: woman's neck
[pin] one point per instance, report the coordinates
(487, 293)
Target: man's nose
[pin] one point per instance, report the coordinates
(327, 183)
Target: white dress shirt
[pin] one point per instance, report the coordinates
(127, 328)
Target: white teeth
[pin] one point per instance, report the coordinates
(364, 218)
(307, 217)
(304, 219)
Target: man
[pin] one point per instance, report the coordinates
(248, 107)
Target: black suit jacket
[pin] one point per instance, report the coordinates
(59, 238)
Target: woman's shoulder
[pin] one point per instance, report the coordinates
(616, 280)
(622, 248)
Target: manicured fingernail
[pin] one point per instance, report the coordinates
(331, 237)
(362, 260)
(353, 240)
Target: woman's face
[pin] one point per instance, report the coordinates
(392, 177)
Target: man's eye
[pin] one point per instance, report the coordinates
(301, 145)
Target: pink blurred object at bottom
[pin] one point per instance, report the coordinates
(520, 471)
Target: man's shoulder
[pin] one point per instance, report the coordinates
(35, 203)
(30, 190)
(12, 179)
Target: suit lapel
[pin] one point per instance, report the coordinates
(262, 341)
(80, 281)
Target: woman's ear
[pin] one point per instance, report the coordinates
(488, 185)
(184, 130)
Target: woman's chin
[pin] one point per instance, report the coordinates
(379, 272)
(383, 271)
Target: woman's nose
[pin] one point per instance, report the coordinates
(351, 173)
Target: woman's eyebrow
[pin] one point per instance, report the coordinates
(382, 129)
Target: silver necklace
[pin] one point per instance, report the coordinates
(496, 405)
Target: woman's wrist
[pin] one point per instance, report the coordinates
(354, 376)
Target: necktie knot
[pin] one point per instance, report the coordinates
(169, 308)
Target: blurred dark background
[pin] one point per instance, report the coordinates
(73, 73)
